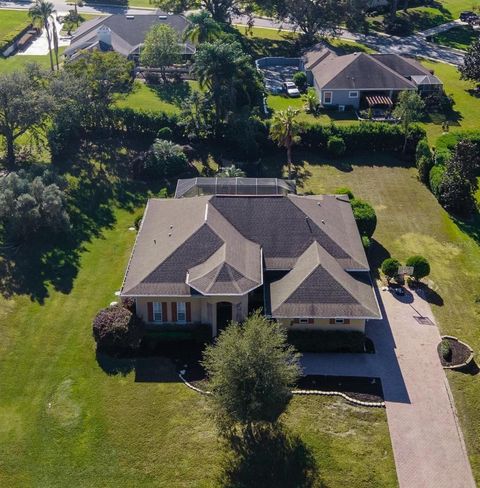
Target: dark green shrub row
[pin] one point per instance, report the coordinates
(327, 340)
(371, 136)
(12, 36)
(147, 124)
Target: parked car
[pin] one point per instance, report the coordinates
(466, 15)
(291, 89)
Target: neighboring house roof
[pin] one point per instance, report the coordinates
(319, 287)
(358, 71)
(127, 32)
(233, 186)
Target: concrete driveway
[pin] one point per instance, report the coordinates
(427, 442)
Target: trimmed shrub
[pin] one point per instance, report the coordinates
(343, 190)
(446, 350)
(116, 329)
(300, 79)
(326, 340)
(435, 178)
(366, 242)
(198, 333)
(129, 304)
(137, 222)
(365, 217)
(424, 166)
(442, 156)
(390, 268)
(421, 266)
(336, 146)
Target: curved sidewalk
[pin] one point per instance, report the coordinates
(427, 442)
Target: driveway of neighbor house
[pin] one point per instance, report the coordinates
(427, 442)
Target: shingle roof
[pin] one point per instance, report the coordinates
(220, 245)
(358, 71)
(127, 33)
(319, 287)
(315, 55)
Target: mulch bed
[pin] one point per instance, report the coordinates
(358, 388)
(460, 353)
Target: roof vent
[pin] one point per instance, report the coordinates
(129, 17)
(162, 17)
(323, 221)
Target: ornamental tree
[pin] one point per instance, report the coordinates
(470, 69)
(365, 217)
(251, 370)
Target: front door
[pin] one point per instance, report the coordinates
(224, 315)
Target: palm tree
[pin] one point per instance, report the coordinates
(55, 42)
(285, 131)
(41, 13)
(202, 28)
(230, 172)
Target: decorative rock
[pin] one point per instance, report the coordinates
(112, 304)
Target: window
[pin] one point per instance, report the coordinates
(181, 312)
(353, 94)
(157, 312)
(339, 321)
(327, 98)
(303, 321)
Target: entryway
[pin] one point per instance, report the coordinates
(224, 315)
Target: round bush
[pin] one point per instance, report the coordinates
(336, 146)
(366, 242)
(365, 217)
(421, 266)
(446, 350)
(116, 329)
(300, 79)
(390, 267)
(343, 190)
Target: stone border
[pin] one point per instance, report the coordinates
(299, 392)
(468, 360)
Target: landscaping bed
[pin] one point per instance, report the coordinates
(357, 388)
(454, 353)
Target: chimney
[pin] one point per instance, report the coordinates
(104, 34)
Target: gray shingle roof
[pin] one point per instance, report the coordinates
(358, 71)
(222, 244)
(319, 287)
(127, 33)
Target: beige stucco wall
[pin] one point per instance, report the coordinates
(200, 310)
(324, 324)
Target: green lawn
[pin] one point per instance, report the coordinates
(411, 221)
(459, 37)
(14, 63)
(65, 422)
(11, 23)
(466, 108)
(422, 18)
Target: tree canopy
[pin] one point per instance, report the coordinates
(421, 266)
(410, 108)
(161, 48)
(202, 28)
(470, 69)
(390, 268)
(251, 371)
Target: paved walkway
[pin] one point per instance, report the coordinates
(427, 443)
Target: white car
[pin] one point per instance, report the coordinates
(291, 89)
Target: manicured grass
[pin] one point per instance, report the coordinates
(16, 62)
(66, 422)
(459, 37)
(466, 108)
(410, 221)
(11, 23)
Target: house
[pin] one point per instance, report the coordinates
(361, 80)
(215, 258)
(124, 34)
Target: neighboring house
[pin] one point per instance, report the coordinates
(124, 34)
(215, 258)
(361, 80)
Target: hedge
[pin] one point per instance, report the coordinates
(198, 333)
(327, 340)
(435, 178)
(374, 136)
(143, 123)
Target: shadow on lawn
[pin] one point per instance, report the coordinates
(54, 259)
(275, 458)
